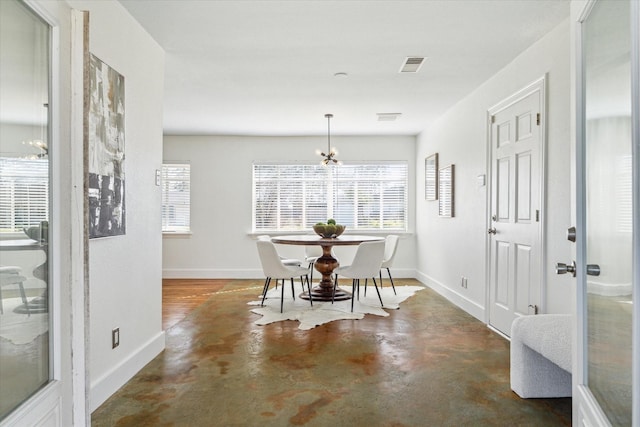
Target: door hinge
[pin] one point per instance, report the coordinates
(537, 215)
(538, 119)
(493, 119)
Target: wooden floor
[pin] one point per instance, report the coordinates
(181, 296)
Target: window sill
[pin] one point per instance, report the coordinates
(176, 234)
(17, 235)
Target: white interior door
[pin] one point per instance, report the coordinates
(515, 240)
(606, 212)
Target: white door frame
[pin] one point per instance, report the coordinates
(635, 136)
(586, 410)
(64, 401)
(583, 399)
(541, 86)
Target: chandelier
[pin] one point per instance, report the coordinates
(41, 146)
(329, 156)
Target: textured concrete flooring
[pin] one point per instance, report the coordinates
(427, 364)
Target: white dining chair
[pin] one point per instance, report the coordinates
(273, 268)
(10, 275)
(311, 255)
(390, 246)
(366, 265)
(290, 262)
(293, 262)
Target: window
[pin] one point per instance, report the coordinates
(27, 353)
(362, 196)
(176, 197)
(24, 193)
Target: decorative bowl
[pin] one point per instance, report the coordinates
(328, 230)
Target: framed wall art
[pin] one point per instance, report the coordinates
(446, 181)
(431, 177)
(106, 150)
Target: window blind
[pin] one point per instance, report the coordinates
(24, 193)
(624, 194)
(362, 196)
(176, 197)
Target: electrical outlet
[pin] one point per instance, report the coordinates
(115, 337)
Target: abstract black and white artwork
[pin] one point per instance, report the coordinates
(106, 151)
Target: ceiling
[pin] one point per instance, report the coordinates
(268, 67)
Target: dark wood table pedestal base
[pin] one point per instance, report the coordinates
(319, 294)
(325, 265)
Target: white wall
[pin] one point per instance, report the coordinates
(449, 248)
(125, 283)
(221, 172)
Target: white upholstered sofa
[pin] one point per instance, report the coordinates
(541, 356)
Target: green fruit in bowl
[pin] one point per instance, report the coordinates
(320, 228)
(331, 221)
(328, 230)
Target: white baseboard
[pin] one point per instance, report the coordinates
(471, 307)
(186, 273)
(200, 273)
(103, 387)
(399, 273)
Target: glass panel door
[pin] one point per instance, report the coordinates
(24, 204)
(609, 208)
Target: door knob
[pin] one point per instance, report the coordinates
(492, 230)
(562, 268)
(593, 269)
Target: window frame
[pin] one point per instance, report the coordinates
(177, 226)
(335, 184)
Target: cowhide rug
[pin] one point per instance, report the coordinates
(325, 312)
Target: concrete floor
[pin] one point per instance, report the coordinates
(427, 364)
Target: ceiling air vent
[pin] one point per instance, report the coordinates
(412, 64)
(388, 117)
